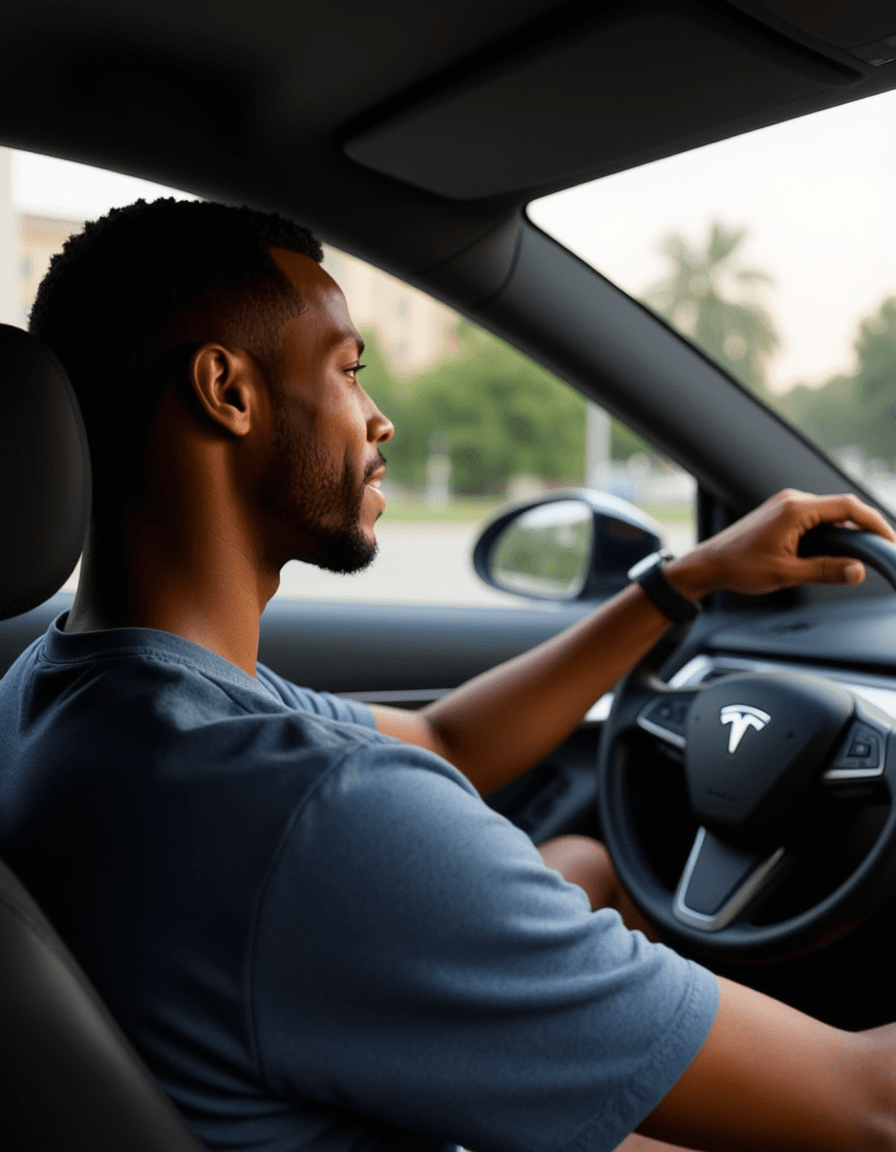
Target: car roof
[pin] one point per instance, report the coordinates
(404, 131)
(413, 134)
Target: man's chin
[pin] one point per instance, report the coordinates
(346, 554)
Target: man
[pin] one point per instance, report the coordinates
(317, 934)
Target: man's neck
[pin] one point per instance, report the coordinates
(203, 585)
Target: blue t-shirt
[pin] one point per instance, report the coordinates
(317, 936)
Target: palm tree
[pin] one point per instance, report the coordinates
(710, 298)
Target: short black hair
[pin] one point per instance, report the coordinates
(140, 287)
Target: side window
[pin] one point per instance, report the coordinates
(477, 423)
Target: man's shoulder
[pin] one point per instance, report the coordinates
(320, 703)
(137, 662)
(154, 695)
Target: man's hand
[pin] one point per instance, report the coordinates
(759, 553)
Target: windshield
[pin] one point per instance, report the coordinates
(775, 252)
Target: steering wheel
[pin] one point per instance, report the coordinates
(756, 772)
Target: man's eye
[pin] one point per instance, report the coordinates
(354, 370)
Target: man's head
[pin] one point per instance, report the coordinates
(128, 303)
(129, 297)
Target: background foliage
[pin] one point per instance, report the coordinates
(494, 411)
(858, 409)
(711, 297)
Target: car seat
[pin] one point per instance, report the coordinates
(70, 1080)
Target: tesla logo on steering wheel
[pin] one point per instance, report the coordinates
(741, 717)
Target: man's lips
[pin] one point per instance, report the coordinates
(375, 478)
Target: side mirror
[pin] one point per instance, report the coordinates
(575, 545)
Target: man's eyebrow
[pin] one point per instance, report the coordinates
(344, 338)
(349, 338)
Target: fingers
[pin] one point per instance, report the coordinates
(813, 510)
(832, 570)
(786, 573)
(844, 509)
(759, 553)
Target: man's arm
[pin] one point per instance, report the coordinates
(769, 1077)
(499, 724)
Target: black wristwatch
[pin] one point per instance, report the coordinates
(657, 586)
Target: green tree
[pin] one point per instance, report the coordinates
(711, 298)
(500, 413)
(625, 443)
(857, 409)
(826, 414)
(875, 383)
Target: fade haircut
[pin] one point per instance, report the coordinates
(128, 299)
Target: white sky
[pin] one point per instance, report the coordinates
(45, 186)
(817, 194)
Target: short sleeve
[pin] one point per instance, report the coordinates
(319, 703)
(416, 963)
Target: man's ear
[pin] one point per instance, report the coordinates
(227, 385)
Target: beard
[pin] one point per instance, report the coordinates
(317, 504)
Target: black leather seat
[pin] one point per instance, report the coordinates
(69, 1080)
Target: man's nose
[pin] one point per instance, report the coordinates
(379, 427)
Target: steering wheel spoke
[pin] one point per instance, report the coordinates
(665, 716)
(720, 881)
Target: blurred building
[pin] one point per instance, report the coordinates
(39, 238)
(414, 330)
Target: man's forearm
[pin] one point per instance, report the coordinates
(769, 1077)
(501, 723)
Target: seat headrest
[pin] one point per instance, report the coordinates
(44, 474)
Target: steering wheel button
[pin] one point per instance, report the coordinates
(860, 755)
(669, 713)
(861, 747)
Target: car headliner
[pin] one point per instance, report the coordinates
(413, 134)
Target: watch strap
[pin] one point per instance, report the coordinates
(656, 585)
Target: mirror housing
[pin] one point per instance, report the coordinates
(571, 545)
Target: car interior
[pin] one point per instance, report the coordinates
(414, 136)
